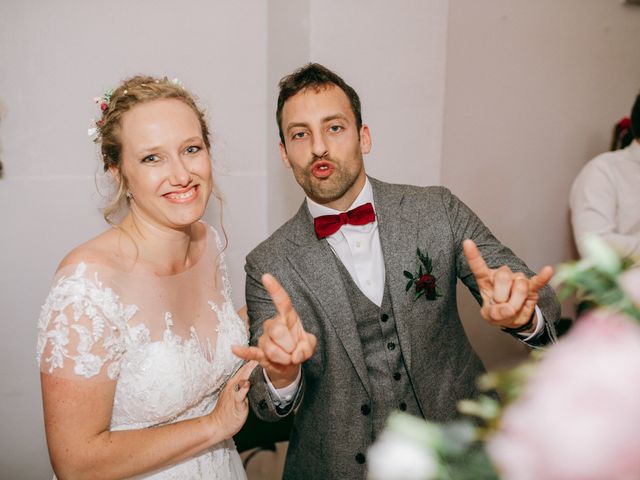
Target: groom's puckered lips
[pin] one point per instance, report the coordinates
(322, 169)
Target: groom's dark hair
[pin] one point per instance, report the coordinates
(316, 76)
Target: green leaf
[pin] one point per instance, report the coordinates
(419, 294)
(407, 274)
(409, 285)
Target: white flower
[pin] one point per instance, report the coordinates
(601, 255)
(396, 456)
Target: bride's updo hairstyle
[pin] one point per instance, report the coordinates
(114, 104)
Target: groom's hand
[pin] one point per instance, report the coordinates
(508, 298)
(284, 345)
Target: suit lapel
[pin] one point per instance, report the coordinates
(316, 264)
(398, 239)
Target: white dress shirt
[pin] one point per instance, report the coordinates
(605, 200)
(358, 247)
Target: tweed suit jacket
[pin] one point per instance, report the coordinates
(330, 427)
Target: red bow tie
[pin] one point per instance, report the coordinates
(329, 224)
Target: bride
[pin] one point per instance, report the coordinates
(134, 340)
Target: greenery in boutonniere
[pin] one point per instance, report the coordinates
(422, 280)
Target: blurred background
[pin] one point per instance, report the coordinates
(501, 101)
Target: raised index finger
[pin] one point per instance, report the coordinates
(280, 298)
(477, 264)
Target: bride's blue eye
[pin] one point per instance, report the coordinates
(193, 149)
(150, 158)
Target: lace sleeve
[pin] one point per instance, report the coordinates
(82, 327)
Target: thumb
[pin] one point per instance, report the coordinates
(541, 279)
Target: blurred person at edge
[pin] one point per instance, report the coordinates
(605, 196)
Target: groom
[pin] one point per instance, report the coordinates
(370, 269)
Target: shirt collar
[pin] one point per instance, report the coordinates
(365, 196)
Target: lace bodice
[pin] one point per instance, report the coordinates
(165, 341)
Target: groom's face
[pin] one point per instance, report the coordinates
(323, 146)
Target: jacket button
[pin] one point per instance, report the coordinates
(262, 404)
(360, 458)
(396, 376)
(403, 406)
(384, 317)
(365, 409)
(391, 345)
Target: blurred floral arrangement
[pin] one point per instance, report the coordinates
(570, 412)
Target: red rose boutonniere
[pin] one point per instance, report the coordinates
(424, 282)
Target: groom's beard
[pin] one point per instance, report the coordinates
(333, 187)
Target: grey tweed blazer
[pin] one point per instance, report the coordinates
(329, 429)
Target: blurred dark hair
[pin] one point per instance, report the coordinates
(316, 76)
(621, 136)
(635, 118)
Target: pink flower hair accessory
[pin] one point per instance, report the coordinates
(103, 102)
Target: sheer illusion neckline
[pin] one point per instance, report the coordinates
(136, 272)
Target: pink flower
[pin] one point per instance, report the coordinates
(579, 415)
(103, 106)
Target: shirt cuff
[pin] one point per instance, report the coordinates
(539, 327)
(283, 396)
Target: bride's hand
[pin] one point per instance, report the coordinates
(232, 408)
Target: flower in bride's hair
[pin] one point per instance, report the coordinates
(578, 415)
(103, 103)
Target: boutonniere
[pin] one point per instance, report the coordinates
(424, 282)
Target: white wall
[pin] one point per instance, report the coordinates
(533, 90)
(393, 54)
(54, 58)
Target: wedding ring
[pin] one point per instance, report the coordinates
(236, 387)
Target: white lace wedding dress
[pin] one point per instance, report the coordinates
(165, 341)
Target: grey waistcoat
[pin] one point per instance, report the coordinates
(391, 387)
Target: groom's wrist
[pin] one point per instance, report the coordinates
(283, 378)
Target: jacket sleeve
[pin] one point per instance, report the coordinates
(261, 308)
(466, 224)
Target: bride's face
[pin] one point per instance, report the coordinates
(166, 163)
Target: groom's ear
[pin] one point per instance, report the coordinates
(283, 155)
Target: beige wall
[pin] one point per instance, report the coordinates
(532, 92)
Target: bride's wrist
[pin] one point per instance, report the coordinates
(215, 428)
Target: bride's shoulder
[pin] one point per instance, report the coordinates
(104, 250)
